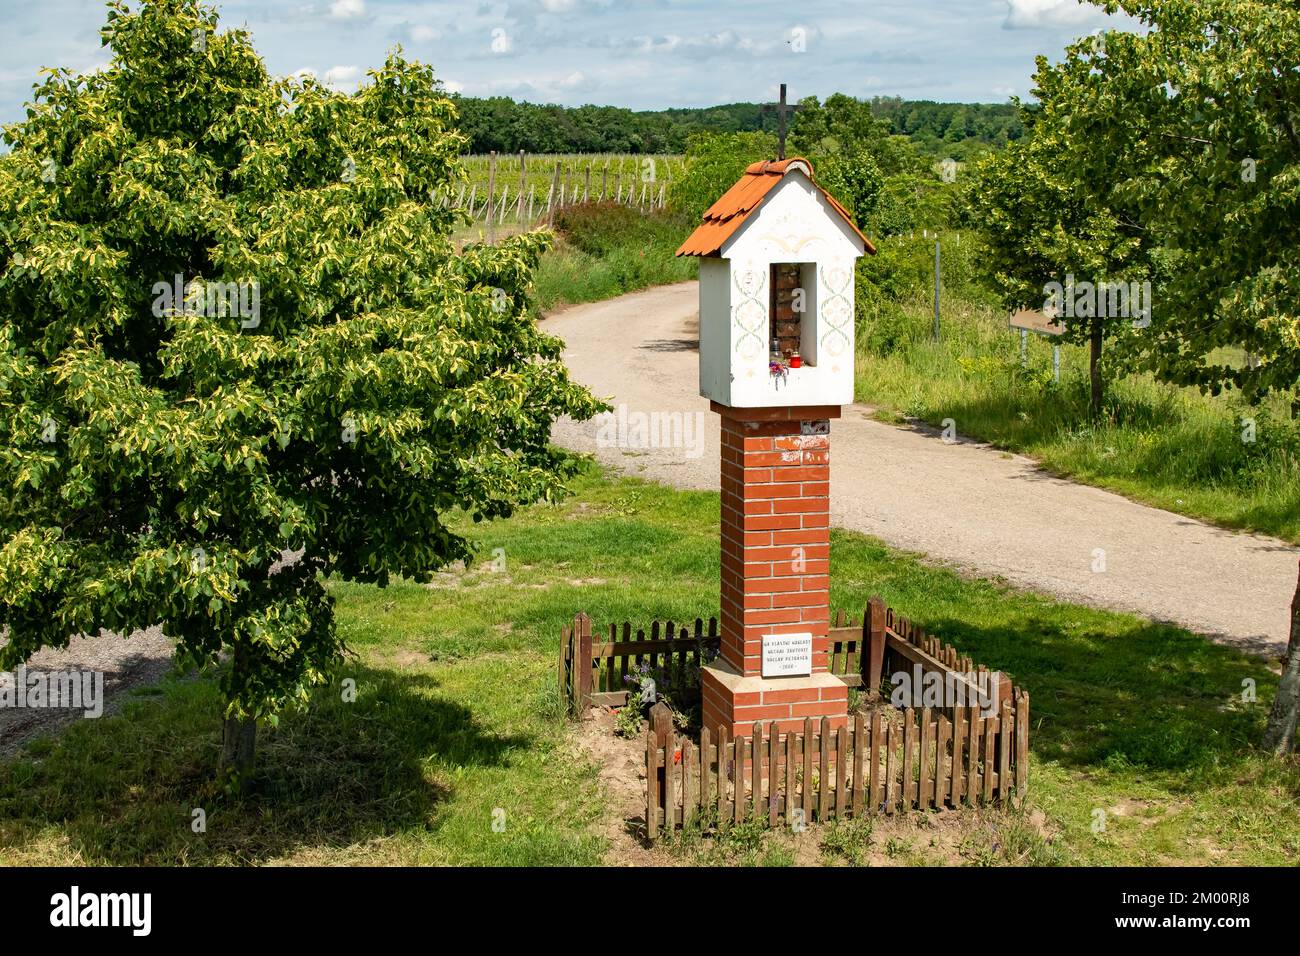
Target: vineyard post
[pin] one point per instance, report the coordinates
(550, 197)
(492, 182)
(523, 179)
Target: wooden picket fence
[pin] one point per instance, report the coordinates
(885, 763)
(895, 759)
(593, 670)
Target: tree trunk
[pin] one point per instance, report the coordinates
(1280, 735)
(238, 743)
(1094, 368)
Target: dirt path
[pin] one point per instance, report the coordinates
(962, 503)
(126, 662)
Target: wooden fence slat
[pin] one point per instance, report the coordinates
(1022, 745)
(722, 774)
(958, 779)
(689, 762)
(738, 778)
(874, 798)
(941, 771)
(859, 784)
(706, 761)
(807, 787)
(1006, 740)
(756, 771)
(925, 793)
(671, 801)
(841, 771)
(790, 739)
(874, 625)
(824, 769)
(652, 787)
(990, 763)
(973, 756)
(582, 666)
(908, 793)
(889, 767)
(773, 755)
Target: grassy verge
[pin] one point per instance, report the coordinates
(455, 717)
(604, 250)
(1173, 448)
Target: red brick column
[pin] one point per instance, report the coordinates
(775, 565)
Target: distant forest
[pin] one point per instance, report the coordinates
(499, 123)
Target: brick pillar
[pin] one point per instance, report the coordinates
(775, 565)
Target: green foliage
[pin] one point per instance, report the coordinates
(606, 250)
(881, 178)
(159, 456)
(1185, 135)
(713, 165)
(854, 178)
(1040, 224)
(960, 130)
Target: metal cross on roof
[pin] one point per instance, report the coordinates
(781, 108)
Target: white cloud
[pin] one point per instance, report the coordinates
(574, 81)
(558, 6)
(339, 76)
(423, 34)
(501, 42)
(347, 9)
(1037, 14)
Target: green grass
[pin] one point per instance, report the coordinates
(456, 716)
(605, 250)
(1170, 447)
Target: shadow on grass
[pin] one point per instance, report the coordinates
(125, 791)
(1149, 697)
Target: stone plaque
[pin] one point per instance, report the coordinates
(787, 655)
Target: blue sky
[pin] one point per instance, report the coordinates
(643, 54)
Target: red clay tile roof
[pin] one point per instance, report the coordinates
(729, 213)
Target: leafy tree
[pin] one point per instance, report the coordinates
(854, 178)
(1193, 125)
(847, 126)
(159, 451)
(713, 164)
(1045, 218)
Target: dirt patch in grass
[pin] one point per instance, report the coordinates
(621, 763)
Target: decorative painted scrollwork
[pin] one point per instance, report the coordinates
(749, 314)
(836, 309)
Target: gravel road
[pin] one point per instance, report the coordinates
(961, 503)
